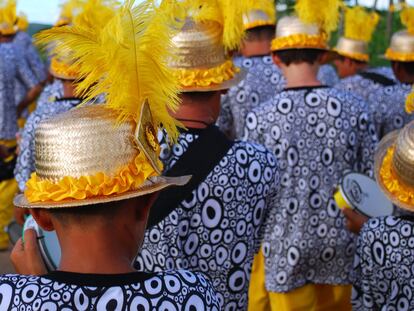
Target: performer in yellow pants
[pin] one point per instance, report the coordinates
(8, 189)
(311, 297)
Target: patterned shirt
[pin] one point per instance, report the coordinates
(262, 82)
(327, 75)
(171, 290)
(384, 71)
(388, 107)
(317, 134)
(12, 66)
(219, 228)
(384, 265)
(23, 42)
(25, 164)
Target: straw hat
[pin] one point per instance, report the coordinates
(359, 28)
(109, 152)
(8, 18)
(394, 166)
(402, 42)
(259, 13)
(82, 158)
(310, 28)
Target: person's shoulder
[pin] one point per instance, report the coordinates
(249, 152)
(379, 226)
(17, 280)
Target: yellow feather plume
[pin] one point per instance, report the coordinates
(359, 24)
(407, 18)
(8, 13)
(324, 13)
(127, 61)
(228, 13)
(95, 14)
(267, 6)
(70, 9)
(22, 22)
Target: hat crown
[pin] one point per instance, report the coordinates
(292, 25)
(403, 159)
(83, 142)
(402, 42)
(351, 46)
(258, 17)
(198, 45)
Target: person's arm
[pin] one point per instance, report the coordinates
(354, 220)
(26, 257)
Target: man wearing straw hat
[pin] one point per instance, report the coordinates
(263, 78)
(214, 224)
(58, 97)
(97, 175)
(317, 134)
(386, 98)
(13, 66)
(384, 260)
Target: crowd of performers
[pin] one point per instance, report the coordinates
(187, 154)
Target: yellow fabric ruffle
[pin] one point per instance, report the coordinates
(409, 103)
(129, 178)
(64, 71)
(357, 56)
(398, 56)
(300, 41)
(262, 23)
(206, 77)
(391, 182)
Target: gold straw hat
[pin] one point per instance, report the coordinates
(394, 166)
(104, 153)
(402, 42)
(359, 28)
(201, 62)
(8, 18)
(259, 13)
(310, 29)
(63, 69)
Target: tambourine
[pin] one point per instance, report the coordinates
(362, 194)
(48, 244)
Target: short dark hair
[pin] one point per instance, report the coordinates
(294, 56)
(199, 96)
(260, 33)
(408, 67)
(342, 58)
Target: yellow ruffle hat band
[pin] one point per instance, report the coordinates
(391, 182)
(7, 29)
(399, 56)
(64, 71)
(129, 178)
(199, 77)
(357, 56)
(300, 41)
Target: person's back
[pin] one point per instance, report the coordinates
(217, 229)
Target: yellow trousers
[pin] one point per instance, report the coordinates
(311, 297)
(8, 189)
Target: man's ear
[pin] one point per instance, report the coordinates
(276, 60)
(145, 203)
(43, 219)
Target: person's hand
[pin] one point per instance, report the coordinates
(20, 215)
(26, 257)
(354, 220)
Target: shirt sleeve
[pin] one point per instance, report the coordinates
(25, 73)
(36, 63)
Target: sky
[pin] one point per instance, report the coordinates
(47, 11)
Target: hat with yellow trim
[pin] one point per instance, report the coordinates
(209, 29)
(8, 18)
(69, 10)
(109, 152)
(394, 166)
(402, 42)
(359, 28)
(310, 28)
(259, 13)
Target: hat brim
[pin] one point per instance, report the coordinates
(61, 77)
(152, 185)
(386, 143)
(218, 87)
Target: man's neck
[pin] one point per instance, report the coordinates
(97, 251)
(299, 75)
(256, 48)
